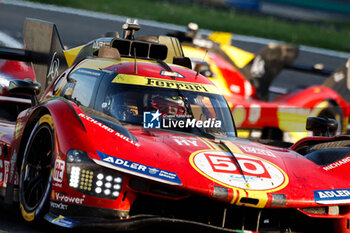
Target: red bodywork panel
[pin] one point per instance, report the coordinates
(194, 165)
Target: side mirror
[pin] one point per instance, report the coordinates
(25, 88)
(321, 126)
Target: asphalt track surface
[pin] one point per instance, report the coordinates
(78, 29)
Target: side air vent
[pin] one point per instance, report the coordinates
(144, 49)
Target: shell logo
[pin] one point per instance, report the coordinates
(221, 167)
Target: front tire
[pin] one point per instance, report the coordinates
(35, 174)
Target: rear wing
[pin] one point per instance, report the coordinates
(42, 38)
(272, 59)
(339, 81)
(260, 68)
(267, 64)
(43, 48)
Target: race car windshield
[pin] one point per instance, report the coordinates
(200, 113)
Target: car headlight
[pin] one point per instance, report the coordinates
(91, 179)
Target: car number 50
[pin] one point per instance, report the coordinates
(225, 164)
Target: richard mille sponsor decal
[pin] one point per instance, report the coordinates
(140, 169)
(108, 129)
(221, 167)
(337, 164)
(332, 196)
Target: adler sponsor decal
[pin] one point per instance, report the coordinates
(332, 196)
(337, 164)
(221, 167)
(140, 169)
(108, 129)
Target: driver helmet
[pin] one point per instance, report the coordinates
(169, 105)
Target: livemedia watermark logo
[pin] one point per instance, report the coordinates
(151, 120)
(154, 120)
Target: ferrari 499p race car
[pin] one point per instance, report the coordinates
(262, 110)
(127, 136)
(10, 69)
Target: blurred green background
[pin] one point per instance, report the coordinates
(317, 23)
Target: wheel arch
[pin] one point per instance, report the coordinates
(34, 117)
(53, 108)
(336, 106)
(62, 116)
(332, 105)
(334, 102)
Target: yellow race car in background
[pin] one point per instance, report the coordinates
(245, 79)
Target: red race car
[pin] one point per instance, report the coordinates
(10, 69)
(126, 137)
(261, 110)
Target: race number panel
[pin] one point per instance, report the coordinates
(222, 168)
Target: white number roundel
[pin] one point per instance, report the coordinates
(221, 166)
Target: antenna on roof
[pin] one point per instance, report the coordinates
(203, 59)
(135, 65)
(130, 29)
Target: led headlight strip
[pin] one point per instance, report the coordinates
(109, 185)
(88, 178)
